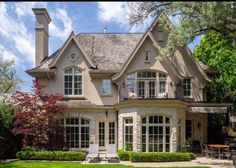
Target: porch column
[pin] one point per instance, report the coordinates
(137, 133)
(120, 132)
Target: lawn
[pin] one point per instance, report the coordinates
(60, 164)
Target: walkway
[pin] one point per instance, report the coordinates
(200, 161)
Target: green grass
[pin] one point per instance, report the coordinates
(66, 164)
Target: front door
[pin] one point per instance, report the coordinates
(106, 134)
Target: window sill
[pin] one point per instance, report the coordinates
(74, 97)
(106, 95)
(148, 62)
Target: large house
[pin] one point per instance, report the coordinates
(119, 93)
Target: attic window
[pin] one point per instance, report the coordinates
(147, 56)
(160, 36)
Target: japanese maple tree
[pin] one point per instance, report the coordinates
(35, 115)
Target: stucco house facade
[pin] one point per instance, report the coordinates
(118, 93)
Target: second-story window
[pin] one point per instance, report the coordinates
(106, 86)
(162, 82)
(73, 81)
(187, 87)
(147, 56)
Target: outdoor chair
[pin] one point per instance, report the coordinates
(111, 153)
(226, 153)
(93, 152)
(213, 152)
(205, 150)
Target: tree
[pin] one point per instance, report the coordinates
(35, 115)
(195, 19)
(8, 79)
(219, 53)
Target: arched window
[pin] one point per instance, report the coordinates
(145, 84)
(73, 81)
(155, 134)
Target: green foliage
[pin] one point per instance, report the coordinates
(219, 53)
(159, 157)
(51, 155)
(124, 155)
(194, 19)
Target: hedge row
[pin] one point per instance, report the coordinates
(51, 155)
(155, 156)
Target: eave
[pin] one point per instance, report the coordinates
(41, 73)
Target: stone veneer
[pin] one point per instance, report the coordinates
(174, 113)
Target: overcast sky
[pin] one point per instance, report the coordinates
(17, 27)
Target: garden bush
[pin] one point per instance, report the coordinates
(124, 155)
(51, 155)
(159, 157)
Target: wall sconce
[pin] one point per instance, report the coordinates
(199, 125)
(106, 113)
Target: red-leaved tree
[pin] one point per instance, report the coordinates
(35, 115)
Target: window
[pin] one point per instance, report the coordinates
(146, 84)
(101, 133)
(160, 36)
(187, 87)
(106, 86)
(77, 132)
(147, 56)
(73, 81)
(188, 128)
(128, 134)
(111, 133)
(155, 134)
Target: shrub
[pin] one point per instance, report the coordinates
(51, 155)
(192, 155)
(159, 157)
(124, 155)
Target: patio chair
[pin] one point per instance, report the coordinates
(213, 152)
(205, 150)
(226, 153)
(111, 152)
(93, 152)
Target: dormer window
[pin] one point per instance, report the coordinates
(106, 87)
(73, 81)
(147, 56)
(187, 87)
(160, 36)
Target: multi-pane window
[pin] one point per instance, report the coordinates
(162, 87)
(187, 87)
(147, 56)
(128, 134)
(146, 84)
(111, 133)
(77, 132)
(155, 134)
(101, 133)
(106, 86)
(73, 81)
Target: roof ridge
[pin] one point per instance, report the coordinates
(108, 33)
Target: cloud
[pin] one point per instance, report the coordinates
(7, 55)
(62, 24)
(17, 33)
(118, 12)
(25, 8)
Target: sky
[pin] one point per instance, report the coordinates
(17, 21)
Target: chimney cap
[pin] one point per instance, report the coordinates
(42, 11)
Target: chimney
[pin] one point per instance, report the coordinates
(41, 34)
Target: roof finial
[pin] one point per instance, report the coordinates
(105, 29)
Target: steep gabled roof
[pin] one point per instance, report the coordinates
(69, 39)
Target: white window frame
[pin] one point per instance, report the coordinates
(124, 132)
(82, 77)
(160, 36)
(79, 126)
(106, 85)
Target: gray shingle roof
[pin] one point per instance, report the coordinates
(108, 51)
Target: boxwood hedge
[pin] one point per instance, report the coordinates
(155, 156)
(51, 155)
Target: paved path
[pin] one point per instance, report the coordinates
(200, 161)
